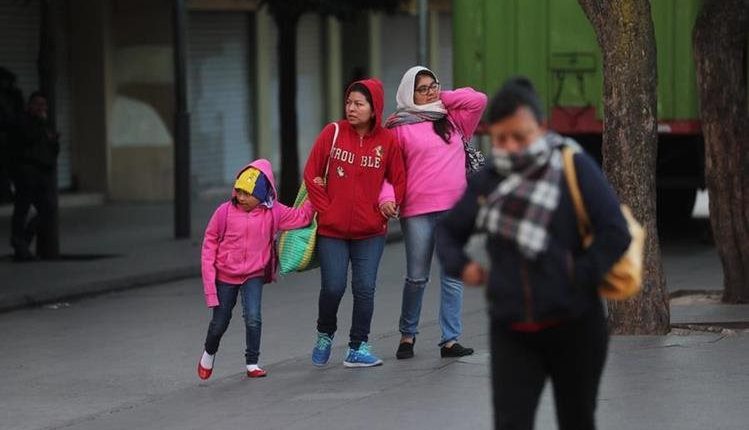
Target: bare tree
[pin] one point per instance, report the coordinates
(625, 34)
(720, 53)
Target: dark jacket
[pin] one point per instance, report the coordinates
(34, 145)
(562, 282)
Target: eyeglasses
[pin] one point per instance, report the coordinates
(425, 89)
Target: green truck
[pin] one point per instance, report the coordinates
(553, 43)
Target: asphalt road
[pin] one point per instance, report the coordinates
(127, 361)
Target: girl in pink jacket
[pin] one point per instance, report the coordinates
(238, 258)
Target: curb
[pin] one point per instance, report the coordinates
(91, 289)
(686, 293)
(66, 200)
(96, 288)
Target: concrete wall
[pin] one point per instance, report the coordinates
(92, 90)
(140, 131)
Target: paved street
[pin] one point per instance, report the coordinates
(126, 361)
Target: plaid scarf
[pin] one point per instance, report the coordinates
(402, 117)
(521, 207)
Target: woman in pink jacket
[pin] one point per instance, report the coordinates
(430, 126)
(238, 257)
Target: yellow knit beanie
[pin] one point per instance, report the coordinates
(247, 180)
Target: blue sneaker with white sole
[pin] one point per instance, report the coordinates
(361, 357)
(321, 351)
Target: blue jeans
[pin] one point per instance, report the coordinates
(252, 294)
(419, 234)
(335, 255)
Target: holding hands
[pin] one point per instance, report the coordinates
(389, 210)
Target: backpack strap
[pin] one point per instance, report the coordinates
(272, 267)
(222, 214)
(570, 175)
(275, 211)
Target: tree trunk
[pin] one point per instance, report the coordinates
(287, 29)
(625, 34)
(720, 53)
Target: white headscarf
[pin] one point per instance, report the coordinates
(404, 98)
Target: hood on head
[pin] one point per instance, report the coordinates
(378, 96)
(265, 168)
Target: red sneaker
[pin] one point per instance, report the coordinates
(257, 373)
(204, 373)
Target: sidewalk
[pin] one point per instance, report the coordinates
(108, 247)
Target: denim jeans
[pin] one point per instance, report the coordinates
(252, 294)
(335, 255)
(419, 234)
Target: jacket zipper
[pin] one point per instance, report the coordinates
(528, 294)
(247, 233)
(357, 155)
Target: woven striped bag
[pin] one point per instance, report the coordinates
(296, 248)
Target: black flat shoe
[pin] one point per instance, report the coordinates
(457, 350)
(405, 350)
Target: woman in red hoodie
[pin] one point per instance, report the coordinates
(344, 176)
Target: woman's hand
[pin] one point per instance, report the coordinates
(319, 181)
(473, 274)
(389, 210)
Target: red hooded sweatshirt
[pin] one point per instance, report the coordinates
(348, 206)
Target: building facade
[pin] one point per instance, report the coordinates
(114, 86)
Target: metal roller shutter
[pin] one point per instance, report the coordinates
(310, 98)
(400, 51)
(219, 96)
(19, 41)
(445, 70)
(64, 95)
(19, 45)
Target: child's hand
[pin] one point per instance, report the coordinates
(389, 210)
(319, 181)
(473, 274)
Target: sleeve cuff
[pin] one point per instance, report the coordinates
(211, 300)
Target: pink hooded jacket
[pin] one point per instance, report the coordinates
(246, 248)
